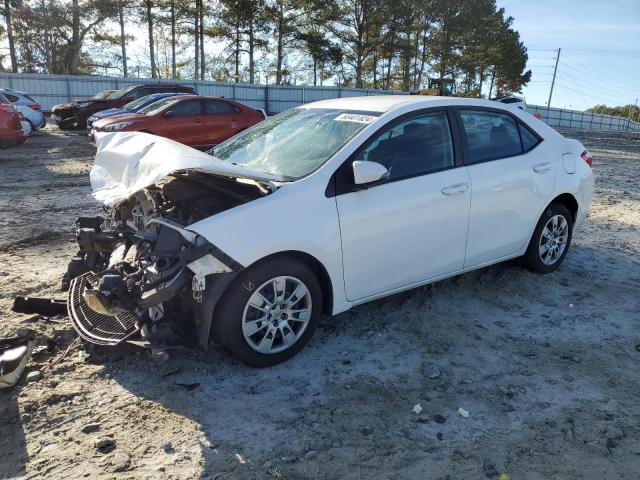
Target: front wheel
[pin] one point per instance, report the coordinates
(551, 239)
(269, 312)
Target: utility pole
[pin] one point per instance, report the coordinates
(553, 80)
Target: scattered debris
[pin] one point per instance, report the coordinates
(432, 372)
(188, 386)
(614, 433)
(171, 373)
(417, 409)
(41, 306)
(14, 355)
(34, 376)
(463, 413)
(120, 462)
(168, 448)
(90, 428)
(159, 355)
(489, 470)
(104, 443)
(439, 418)
(439, 436)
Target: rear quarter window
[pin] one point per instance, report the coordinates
(529, 139)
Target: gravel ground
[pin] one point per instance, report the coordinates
(545, 366)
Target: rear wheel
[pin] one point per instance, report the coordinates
(551, 239)
(269, 312)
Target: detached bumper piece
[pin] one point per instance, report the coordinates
(14, 355)
(96, 327)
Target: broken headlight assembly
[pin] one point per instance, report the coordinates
(140, 272)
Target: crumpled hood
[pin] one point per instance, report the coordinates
(129, 161)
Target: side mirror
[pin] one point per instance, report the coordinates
(367, 172)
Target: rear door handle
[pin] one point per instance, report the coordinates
(456, 189)
(542, 167)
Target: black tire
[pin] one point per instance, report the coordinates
(532, 258)
(228, 315)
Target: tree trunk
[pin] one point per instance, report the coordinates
(251, 53)
(280, 47)
(12, 47)
(237, 53)
(493, 77)
(201, 33)
(73, 56)
(315, 70)
(152, 51)
(173, 39)
(47, 39)
(123, 42)
(196, 31)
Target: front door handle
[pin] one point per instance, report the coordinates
(456, 189)
(542, 167)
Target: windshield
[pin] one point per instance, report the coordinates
(119, 93)
(138, 102)
(156, 107)
(294, 143)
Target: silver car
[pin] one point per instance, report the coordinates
(31, 109)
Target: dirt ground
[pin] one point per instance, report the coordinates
(546, 366)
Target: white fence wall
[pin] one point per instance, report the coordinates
(558, 117)
(50, 90)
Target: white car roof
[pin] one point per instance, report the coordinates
(385, 103)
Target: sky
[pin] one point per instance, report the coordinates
(600, 50)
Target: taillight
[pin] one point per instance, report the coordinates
(586, 156)
(34, 106)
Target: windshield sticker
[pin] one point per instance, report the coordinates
(355, 117)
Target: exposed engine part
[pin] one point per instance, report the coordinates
(140, 270)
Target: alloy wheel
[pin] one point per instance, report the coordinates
(276, 315)
(553, 240)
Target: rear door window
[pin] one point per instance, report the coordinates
(214, 107)
(189, 107)
(490, 135)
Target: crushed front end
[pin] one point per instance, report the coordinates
(140, 272)
(65, 115)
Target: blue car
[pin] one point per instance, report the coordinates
(130, 107)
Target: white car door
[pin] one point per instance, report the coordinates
(512, 180)
(413, 225)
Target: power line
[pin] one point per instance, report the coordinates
(597, 85)
(588, 95)
(597, 74)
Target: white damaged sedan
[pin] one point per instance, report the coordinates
(323, 207)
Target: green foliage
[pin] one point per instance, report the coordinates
(632, 112)
(391, 44)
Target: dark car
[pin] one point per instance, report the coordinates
(76, 113)
(199, 122)
(131, 107)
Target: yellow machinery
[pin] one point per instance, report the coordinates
(437, 86)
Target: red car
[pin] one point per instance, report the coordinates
(200, 122)
(75, 114)
(11, 133)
